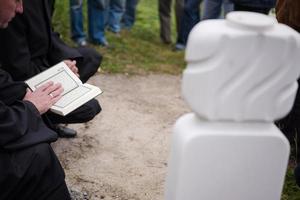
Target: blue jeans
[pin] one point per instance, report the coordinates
(97, 16)
(76, 17)
(191, 16)
(116, 11)
(129, 15)
(97, 12)
(213, 8)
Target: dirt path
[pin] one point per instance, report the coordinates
(122, 154)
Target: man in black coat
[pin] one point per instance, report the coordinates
(36, 47)
(29, 169)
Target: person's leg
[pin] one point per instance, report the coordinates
(130, 13)
(32, 173)
(179, 13)
(227, 6)
(76, 17)
(116, 11)
(212, 9)
(164, 9)
(82, 114)
(90, 63)
(97, 16)
(191, 16)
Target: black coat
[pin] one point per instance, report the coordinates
(20, 122)
(29, 169)
(29, 46)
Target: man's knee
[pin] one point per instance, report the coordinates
(84, 113)
(90, 63)
(91, 109)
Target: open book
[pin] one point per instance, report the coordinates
(75, 92)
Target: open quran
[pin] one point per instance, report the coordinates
(75, 92)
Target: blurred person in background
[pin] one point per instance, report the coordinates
(190, 17)
(260, 6)
(288, 12)
(213, 9)
(164, 8)
(129, 15)
(101, 14)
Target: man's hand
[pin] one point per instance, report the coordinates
(45, 96)
(72, 65)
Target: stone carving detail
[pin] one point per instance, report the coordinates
(241, 70)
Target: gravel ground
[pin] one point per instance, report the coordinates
(122, 154)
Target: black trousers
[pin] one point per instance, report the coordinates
(32, 173)
(89, 63)
(164, 9)
(82, 114)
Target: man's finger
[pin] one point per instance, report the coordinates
(45, 86)
(57, 92)
(52, 88)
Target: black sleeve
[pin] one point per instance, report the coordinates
(20, 122)
(17, 120)
(11, 91)
(60, 51)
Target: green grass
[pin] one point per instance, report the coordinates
(140, 51)
(290, 190)
(137, 51)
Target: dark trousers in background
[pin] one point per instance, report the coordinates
(130, 14)
(164, 8)
(191, 16)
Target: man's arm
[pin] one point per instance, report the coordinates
(17, 120)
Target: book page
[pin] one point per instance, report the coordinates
(64, 79)
(72, 96)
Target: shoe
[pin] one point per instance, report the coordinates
(297, 174)
(81, 43)
(107, 45)
(65, 132)
(179, 47)
(102, 43)
(167, 42)
(115, 32)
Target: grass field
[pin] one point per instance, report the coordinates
(140, 51)
(136, 51)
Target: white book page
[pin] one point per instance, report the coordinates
(62, 77)
(72, 95)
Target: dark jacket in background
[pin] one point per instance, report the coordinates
(256, 3)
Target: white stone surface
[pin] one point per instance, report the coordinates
(239, 71)
(241, 75)
(226, 161)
